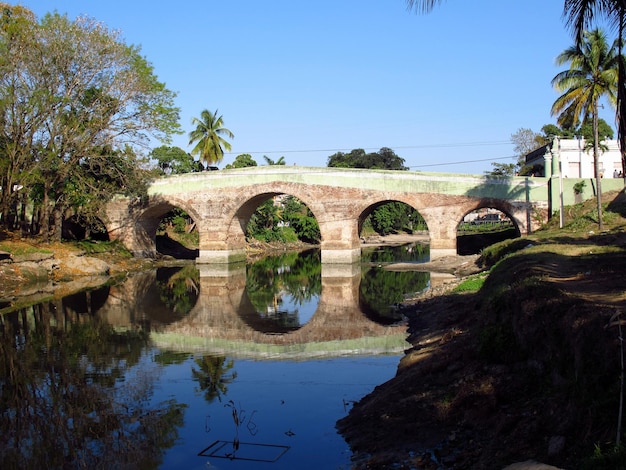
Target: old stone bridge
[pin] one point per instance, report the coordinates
(222, 202)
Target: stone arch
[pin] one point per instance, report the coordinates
(372, 206)
(473, 238)
(146, 221)
(237, 214)
(218, 314)
(508, 209)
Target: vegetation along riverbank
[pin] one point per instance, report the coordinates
(518, 362)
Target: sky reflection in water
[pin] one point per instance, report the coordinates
(286, 403)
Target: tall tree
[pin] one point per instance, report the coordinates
(77, 109)
(524, 141)
(210, 137)
(591, 76)
(242, 160)
(384, 159)
(580, 15)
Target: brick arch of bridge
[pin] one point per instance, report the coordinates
(339, 213)
(443, 214)
(517, 213)
(135, 224)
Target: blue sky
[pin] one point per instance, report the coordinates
(304, 80)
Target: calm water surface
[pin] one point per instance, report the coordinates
(185, 368)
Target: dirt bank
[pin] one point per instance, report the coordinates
(56, 270)
(478, 390)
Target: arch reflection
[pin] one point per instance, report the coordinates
(283, 291)
(381, 289)
(347, 307)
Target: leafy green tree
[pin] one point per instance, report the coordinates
(242, 161)
(263, 224)
(175, 161)
(550, 131)
(384, 159)
(301, 219)
(269, 161)
(393, 217)
(73, 100)
(209, 137)
(605, 131)
(284, 220)
(592, 74)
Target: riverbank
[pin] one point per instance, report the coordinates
(524, 369)
(31, 272)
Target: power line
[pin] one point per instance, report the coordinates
(464, 161)
(424, 146)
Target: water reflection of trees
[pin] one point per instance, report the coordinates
(296, 275)
(65, 401)
(213, 375)
(179, 288)
(412, 252)
(382, 290)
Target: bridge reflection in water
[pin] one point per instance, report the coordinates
(224, 320)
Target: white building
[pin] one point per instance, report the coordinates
(576, 162)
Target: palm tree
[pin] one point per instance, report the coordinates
(209, 137)
(579, 15)
(269, 161)
(592, 74)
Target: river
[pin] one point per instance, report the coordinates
(189, 367)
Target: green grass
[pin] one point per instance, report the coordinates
(471, 284)
(103, 247)
(22, 248)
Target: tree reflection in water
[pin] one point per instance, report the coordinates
(179, 288)
(295, 276)
(382, 290)
(213, 375)
(66, 398)
(77, 392)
